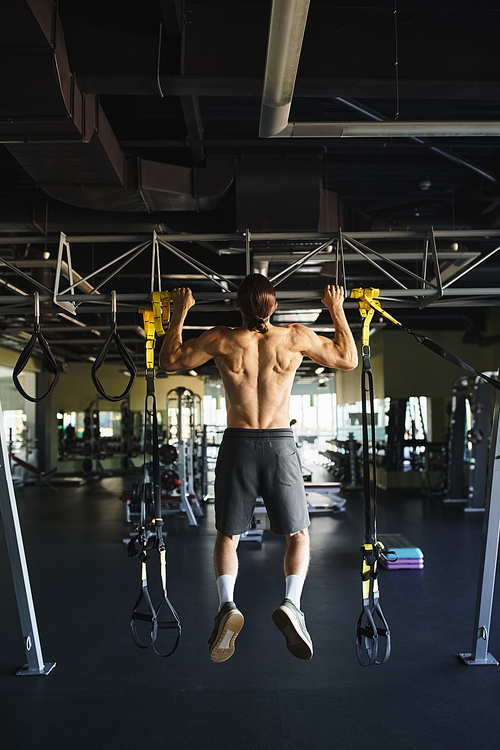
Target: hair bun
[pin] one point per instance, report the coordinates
(259, 325)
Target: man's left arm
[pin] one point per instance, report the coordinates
(178, 355)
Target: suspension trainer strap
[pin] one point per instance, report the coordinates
(125, 355)
(369, 454)
(367, 298)
(173, 622)
(139, 546)
(24, 357)
(368, 633)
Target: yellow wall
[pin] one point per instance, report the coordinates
(402, 367)
(9, 358)
(411, 369)
(75, 390)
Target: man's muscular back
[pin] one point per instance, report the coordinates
(258, 368)
(257, 371)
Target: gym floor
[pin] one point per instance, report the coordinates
(107, 693)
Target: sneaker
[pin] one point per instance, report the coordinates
(291, 622)
(228, 623)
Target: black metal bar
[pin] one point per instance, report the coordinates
(370, 260)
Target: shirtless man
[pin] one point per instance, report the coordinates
(257, 362)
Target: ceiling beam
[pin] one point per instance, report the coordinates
(194, 126)
(409, 234)
(306, 88)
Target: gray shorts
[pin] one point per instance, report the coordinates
(259, 462)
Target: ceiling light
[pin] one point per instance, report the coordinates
(296, 316)
(319, 370)
(193, 372)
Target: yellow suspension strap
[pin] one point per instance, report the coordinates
(154, 318)
(368, 303)
(369, 634)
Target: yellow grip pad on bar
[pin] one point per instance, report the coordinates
(161, 310)
(165, 314)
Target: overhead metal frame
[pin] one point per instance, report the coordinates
(430, 293)
(431, 241)
(64, 246)
(410, 234)
(298, 264)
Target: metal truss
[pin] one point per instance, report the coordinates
(426, 292)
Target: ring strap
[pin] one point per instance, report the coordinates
(24, 358)
(126, 358)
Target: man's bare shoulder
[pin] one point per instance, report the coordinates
(299, 334)
(221, 337)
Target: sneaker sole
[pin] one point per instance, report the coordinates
(295, 641)
(223, 648)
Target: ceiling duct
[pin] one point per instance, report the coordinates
(286, 34)
(63, 139)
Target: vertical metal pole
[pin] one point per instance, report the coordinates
(247, 252)
(182, 471)
(489, 554)
(17, 558)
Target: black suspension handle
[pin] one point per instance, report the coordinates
(24, 357)
(126, 357)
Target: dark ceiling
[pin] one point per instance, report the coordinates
(126, 117)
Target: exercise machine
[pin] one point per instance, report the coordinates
(184, 430)
(468, 444)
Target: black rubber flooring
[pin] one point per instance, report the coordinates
(105, 693)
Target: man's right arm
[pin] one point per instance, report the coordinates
(341, 353)
(177, 354)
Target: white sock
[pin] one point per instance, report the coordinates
(293, 591)
(225, 589)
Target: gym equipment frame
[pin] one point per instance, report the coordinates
(429, 292)
(20, 575)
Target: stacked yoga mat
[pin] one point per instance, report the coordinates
(409, 557)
